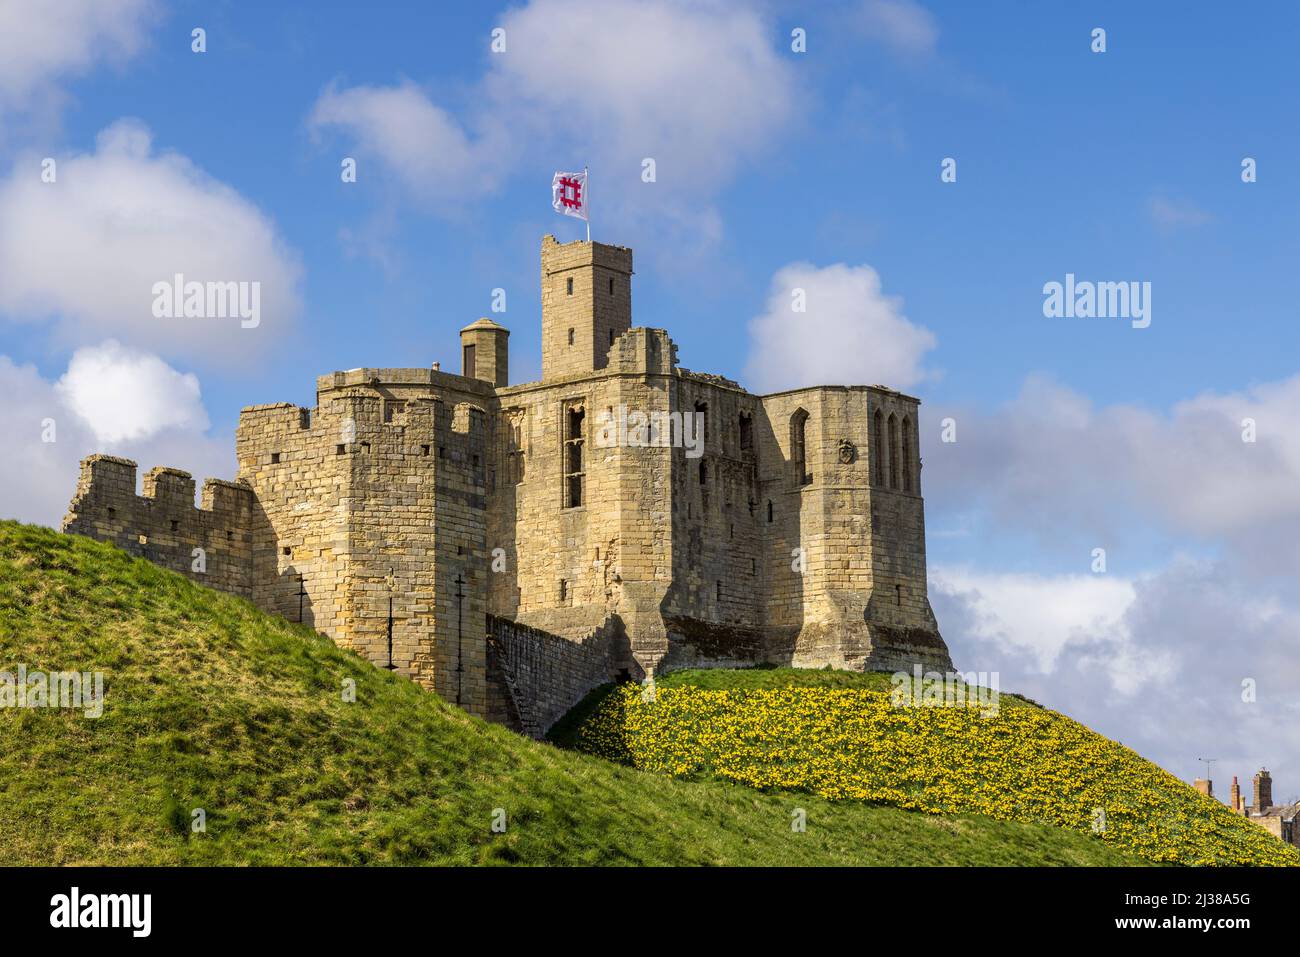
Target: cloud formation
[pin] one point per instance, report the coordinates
(48, 427)
(125, 395)
(86, 250)
(1052, 463)
(844, 305)
(42, 43)
(698, 88)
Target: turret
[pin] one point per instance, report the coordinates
(485, 352)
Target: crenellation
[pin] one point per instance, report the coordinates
(505, 547)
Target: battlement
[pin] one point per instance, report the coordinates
(559, 257)
(209, 543)
(575, 525)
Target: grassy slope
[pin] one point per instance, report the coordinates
(833, 733)
(211, 704)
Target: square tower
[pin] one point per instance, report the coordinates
(586, 304)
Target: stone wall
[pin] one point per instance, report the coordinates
(853, 518)
(376, 495)
(547, 674)
(797, 537)
(212, 544)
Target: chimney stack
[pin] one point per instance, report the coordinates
(1236, 796)
(1263, 791)
(1205, 786)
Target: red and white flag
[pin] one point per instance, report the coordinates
(569, 194)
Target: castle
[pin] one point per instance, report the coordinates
(491, 541)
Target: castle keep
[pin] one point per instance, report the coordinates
(526, 553)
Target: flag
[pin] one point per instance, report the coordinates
(569, 194)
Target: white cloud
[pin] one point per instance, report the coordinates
(696, 86)
(850, 332)
(88, 248)
(699, 88)
(41, 43)
(1051, 463)
(127, 395)
(39, 477)
(421, 143)
(903, 25)
(1039, 616)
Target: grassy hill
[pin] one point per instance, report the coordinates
(210, 704)
(837, 735)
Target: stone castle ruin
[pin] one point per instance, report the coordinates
(528, 558)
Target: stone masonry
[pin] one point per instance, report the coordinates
(528, 553)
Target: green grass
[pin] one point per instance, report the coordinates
(211, 704)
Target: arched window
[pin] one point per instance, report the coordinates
(906, 454)
(799, 447)
(893, 451)
(878, 448)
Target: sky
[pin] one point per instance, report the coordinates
(790, 148)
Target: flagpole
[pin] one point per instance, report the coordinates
(586, 175)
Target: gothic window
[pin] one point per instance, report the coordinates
(799, 448)
(878, 448)
(611, 285)
(570, 332)
(769, 511)
(568, 286)
(907, 454)
(468, 362)
(893, 451)
(574, 415)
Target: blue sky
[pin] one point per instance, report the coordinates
(773, 167)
